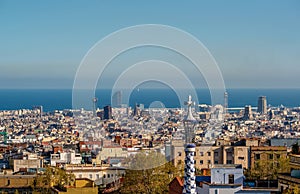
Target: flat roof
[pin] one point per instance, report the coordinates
(226, 166)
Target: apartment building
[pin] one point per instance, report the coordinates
(267, 153)
(101, 174)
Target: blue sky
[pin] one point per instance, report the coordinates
(255, 43)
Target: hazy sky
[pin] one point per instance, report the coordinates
(255, 43)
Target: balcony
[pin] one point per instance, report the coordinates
(288, 179)
(295, 161)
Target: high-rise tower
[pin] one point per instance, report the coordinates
(248, 113)
(117, 99)
(262, 105)
(107, 112)
(225, 102)
(95, 100)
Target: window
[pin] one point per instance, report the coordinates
(201, 154)
(208, 161)
(229, 161)
(104, 176)
(108, 175)
(241, 158)
(257, 156)
(179, 153)
(179, 162)
(91, 176)
(201, 161)
(216, 161)
(97, 176)
(229, 154)
(195, 153)
(278, 156)
(208, 153)
(231, 179)
(271, 156)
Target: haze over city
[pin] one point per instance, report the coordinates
(255, 43)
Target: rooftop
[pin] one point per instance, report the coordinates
(226, 166)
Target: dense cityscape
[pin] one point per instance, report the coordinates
(244, 151)
(149, 97)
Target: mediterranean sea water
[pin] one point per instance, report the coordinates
(59, 99)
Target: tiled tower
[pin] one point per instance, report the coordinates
(190, 148)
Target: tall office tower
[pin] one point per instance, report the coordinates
(107, 112)
(117, 99)
(136, 111)
(248, 113)
(190, 149)
(95, 100)
(271, 114)
(39, 109)
(262, 105)
(225, 102)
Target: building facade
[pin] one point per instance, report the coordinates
(290, 181)
(101, 174)
(267, 153)
(262, 105)
(206, 156)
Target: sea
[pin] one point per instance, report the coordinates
(59, 99)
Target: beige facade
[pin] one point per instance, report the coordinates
(270, 153)
(290, 180)
(252, 142)
(242, 156)
(206, 156)
(27, 162)
(99, 173)
(11, 183)
(107, 152)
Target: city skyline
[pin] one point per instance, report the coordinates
(254, 43)
(149, 97)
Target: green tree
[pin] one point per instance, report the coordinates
(52, 177)
(268, 169)
(149, 173)
(293, 190)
